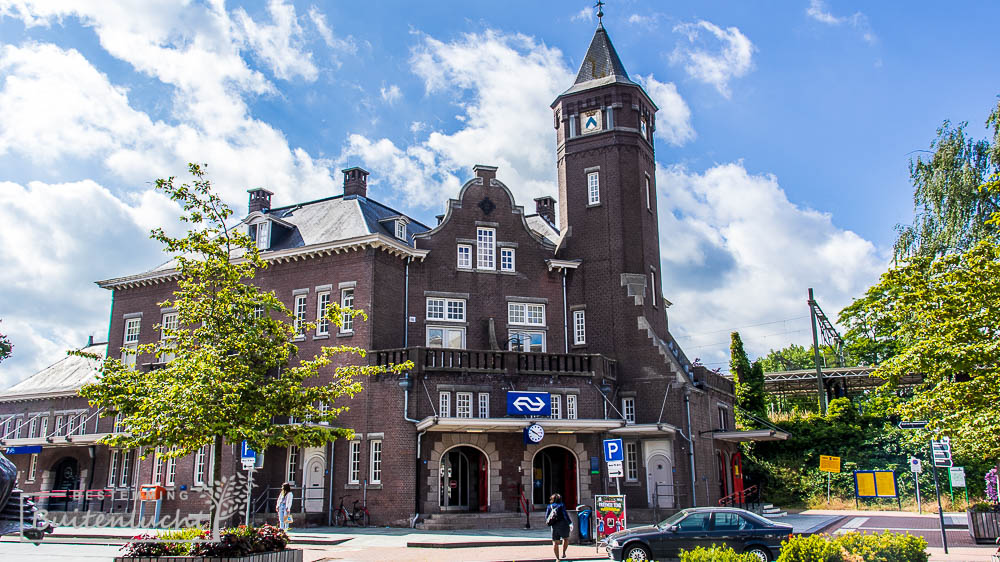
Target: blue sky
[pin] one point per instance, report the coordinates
(784, 134)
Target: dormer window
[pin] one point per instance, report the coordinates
(401, 230)
(263, 235)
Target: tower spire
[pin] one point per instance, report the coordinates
(600, 12)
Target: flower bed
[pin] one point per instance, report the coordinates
(243, 544)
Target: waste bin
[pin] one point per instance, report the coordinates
(583, 531)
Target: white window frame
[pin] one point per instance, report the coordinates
(167, 322)
(157, 476)
(113, 468)
(119, 421)
(126, 470)
(446, 332)
(60, 425)
(522, 313)
(130, 341)
(571, 406)
(375, 461)
(33, 427)
(347, 302)
(507, 259)
(464, 256)
(354, 462)
(300, 310)
(628, 409)
(723, 418)
(486, 248)
(444, 404)
(484, 404)
(32, 467)
(44, 426)
(518, 336)
(652, 285)
(649, 204)
(171, 473)
(631, 461)
(555, 404)
(292, 461)
(263, 235)
(463, 404)
(579, 327)
(401, 229)
(70, 424)
(200, 465)
(445, 310)
(593, 188)
(322, 323)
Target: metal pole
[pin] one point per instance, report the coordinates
(916, 482)
(937, 490)
(618, 490)
(249, 494)
(816, 356)
(828, 488)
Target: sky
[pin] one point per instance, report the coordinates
(783, 138)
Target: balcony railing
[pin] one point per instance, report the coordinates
(497, 362)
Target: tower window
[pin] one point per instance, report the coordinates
(579, 327)
(652, 286)
(649, 203)
(593, 188)
(628, 409)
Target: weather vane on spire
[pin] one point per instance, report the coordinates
(600, 11)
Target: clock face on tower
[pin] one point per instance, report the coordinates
(535, 433)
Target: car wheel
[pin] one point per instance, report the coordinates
(636, 553)
(759, 553)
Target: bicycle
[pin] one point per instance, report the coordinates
(358, 515)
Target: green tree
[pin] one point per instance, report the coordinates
(6, 348)
(796, 357)
(952, 211)
(235, 370)
(749, 382)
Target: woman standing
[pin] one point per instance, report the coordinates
(285, 506)
(558, 519)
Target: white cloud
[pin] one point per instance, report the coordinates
(715, 58)
(391, 95)
(279, 44)
(737, 253)
(337, 45)
(648, 21)
(817, 10)
(585, 14)
(503, 126)
(673, 120)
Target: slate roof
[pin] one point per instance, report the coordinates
(601, 60)
(65, 376)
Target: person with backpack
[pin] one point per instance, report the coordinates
(558, 519)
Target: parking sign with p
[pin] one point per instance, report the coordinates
(613, 450)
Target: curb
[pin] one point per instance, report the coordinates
(516, 542)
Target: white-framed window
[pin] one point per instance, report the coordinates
(593, 188)
(723, 418)
(401, 230)
(579, 327)
(354, 462)
(649, 202)
(264, 235)
(258, 312)
(167, 322)
(571, 406)
(119, 423)
(628, 409)
(463, 404)
(464, 256)
(442, 336)
(44, 427)
(347, 301)
(32, 467)
(375, 466)
(486, 242)
(526, 313)
(113, 467)
(444, 404)
(322, 323)
(200, 465)
(32, 427)
(81, 427)
(652, 286)
(555, 400)
(631, 461)
(126, 468)
(60, 425)
(8, 426)
(292, 466)
(506, 259)
(528, 341)
(300, 313)
(70, 424)
(484, 404)
(171, 469)
(158, 466)
(131, 341)
(450, 310)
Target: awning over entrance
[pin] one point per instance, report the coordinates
(515, 425)
(56, 440)
(645, 429)
(754, 435)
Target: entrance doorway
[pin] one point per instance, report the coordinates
(723, 487)
(738, 474)
(312, 484)
(66, 475)
(660, 481)
(463, 480)
(554, 472)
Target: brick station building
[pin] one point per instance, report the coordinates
(492, 300)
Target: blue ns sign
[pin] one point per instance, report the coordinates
(528, 404)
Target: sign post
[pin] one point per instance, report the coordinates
(940, 456)
(828, 465)
(248, 458)
(916, 469)
(614, 455)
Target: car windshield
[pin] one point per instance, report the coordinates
(673, 519)
(760, 521)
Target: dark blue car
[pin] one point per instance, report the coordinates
(688, 529)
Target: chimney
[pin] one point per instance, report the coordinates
(260, 200)
(90, 341)
(486, 172)
(546, 208)
(355, 182)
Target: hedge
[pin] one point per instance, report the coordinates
(715, 554)
(855, 547)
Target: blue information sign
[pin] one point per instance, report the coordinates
(246, 453)
(23, 450)
(528, 403)
(613, 450)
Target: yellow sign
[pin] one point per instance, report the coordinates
(865, 481)
(829, 464)
(875, 484)
(885, 484)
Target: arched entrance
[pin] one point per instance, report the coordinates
(66, 475)
(660, 480)
(464, 480)
(554, 472)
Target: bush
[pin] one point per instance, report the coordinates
(715, 554)
(855, 547)
(235, 541)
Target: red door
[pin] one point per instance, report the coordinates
(738, 475)
(569, 477)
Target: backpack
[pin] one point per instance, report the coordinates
(554, 515)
